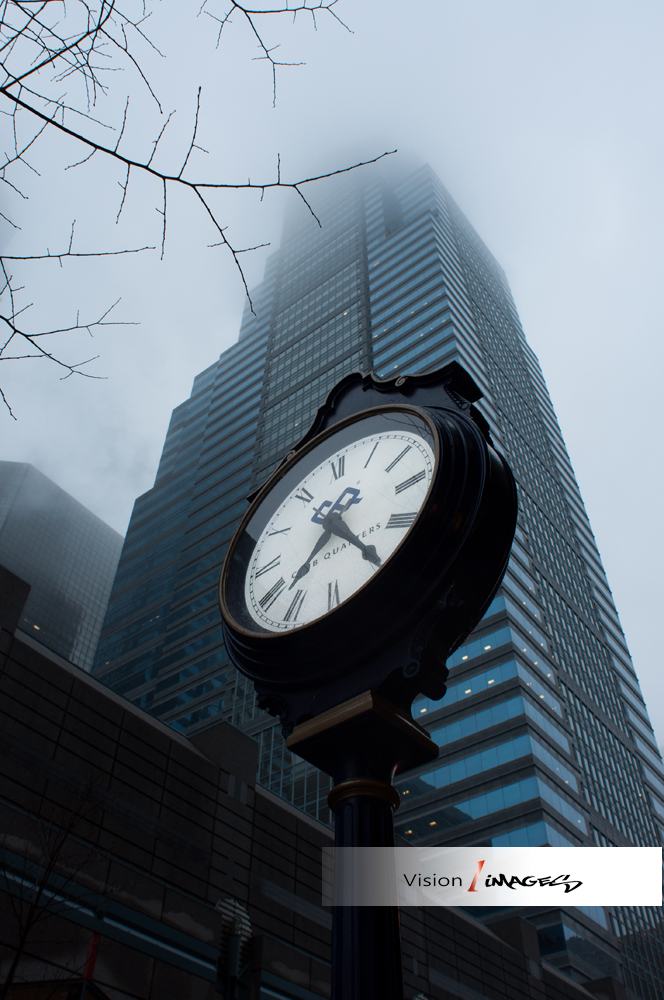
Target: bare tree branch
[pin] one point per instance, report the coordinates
(43, 45)
(192, 144)
(177, 178)
(124, 194)
(33, 338)
(250, 16)
(67, 253)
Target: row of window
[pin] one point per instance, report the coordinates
(504, 797)
(493, 716)
(287, 420)
(334, 339)
(432, 358)
(493, 641)
(643, 729)
(406, 264)
(523, 598)
(504, 603)
(326, 259)
(290, 777)
(613, 786)
(308, 310)
(383, 307)
(391, 331)
(482, 682)
(393, 347)
(581, 654)
(485, 760)
(534, 835)
(396, 247)
(148, 673)
(201, 689)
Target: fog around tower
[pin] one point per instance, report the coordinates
(540, 120)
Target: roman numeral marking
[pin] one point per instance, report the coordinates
(281, 531)
(333, 595)
(371, 455)
(295, 606)
(338, 468)
(398, 458)
(267, 600)
(407, 483)
(268, 566)
(305, 496)
(401, 520)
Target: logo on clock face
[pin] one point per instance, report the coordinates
(341, 505)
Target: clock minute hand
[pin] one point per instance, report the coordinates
(334, 523)
(306, 565)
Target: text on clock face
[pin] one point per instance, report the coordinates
(367, 533)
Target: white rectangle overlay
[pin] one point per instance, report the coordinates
(492, 876)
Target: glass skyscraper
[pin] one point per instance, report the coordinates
(544, 735)
(66, 553)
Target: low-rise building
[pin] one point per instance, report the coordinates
(137, 863)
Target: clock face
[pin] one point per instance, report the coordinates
(341, 513)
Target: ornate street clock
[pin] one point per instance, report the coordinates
(361, 564)
(373, 550)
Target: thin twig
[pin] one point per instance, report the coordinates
(124, 195)
(59, 256)
(215, 185)
(193, 138)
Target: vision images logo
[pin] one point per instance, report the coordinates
(510, 881)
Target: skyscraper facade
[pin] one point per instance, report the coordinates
(65, 552)
(544, 735)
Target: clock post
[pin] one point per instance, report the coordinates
(362, 743)
(362, 563)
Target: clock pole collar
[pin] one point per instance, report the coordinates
(365, 739)
(364, 787)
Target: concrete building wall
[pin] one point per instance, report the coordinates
(118, 825)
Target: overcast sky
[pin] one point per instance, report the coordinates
(545, 123)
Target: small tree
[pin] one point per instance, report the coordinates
(38, 872)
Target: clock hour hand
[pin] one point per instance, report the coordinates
(334, 523)
(306, 566)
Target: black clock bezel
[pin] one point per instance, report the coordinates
(342, 641)
(395, 633)
(272, 485)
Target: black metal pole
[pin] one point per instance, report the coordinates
(363, 743)
(366, 940)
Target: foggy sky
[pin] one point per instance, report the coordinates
(543, 121)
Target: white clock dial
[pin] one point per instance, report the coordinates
(336, 528)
